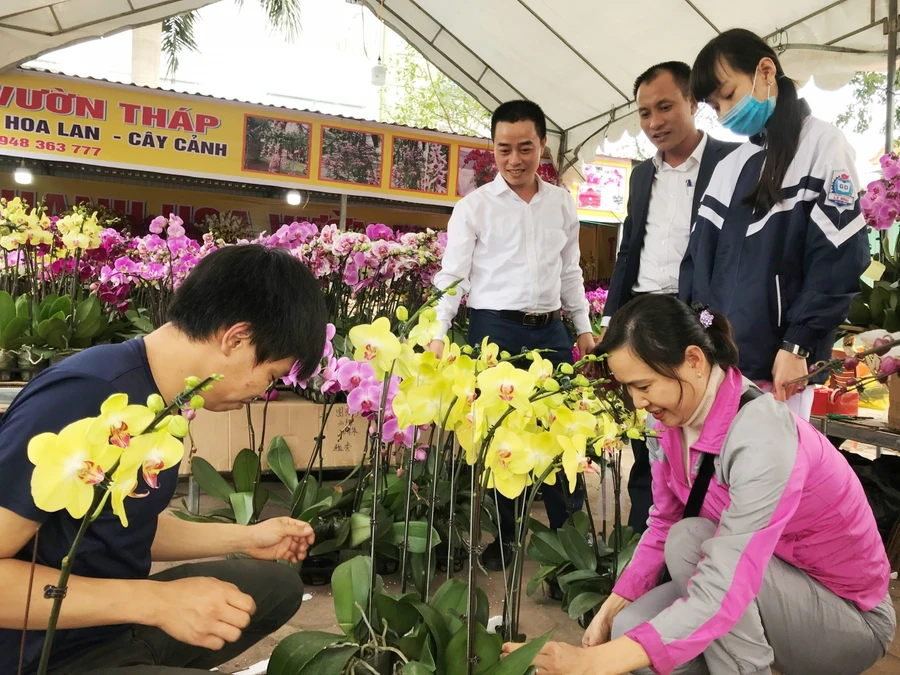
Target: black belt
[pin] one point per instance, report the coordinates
(527, 318)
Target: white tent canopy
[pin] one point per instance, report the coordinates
(579, 58)
(29, 28)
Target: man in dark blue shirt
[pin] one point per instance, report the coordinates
(247, 313)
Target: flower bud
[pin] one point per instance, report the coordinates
(451, 292)
(881, 346)
(189, 414)
(402, 313)
(270, 395)
(850, 364)
(178, 426)
(191, 382)
(889, 365)
(197, 402)
(566, 368)
(580, 381)
(155, 403)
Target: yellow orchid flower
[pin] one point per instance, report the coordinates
(425, 330)
(418, 405)
(67, 466)
(506, 383)
(537, 455)
(470, 431)
(375, 343)
(567, 422)
(154, 452)
(505, 448)
(124, 483)
(119, 422)
(489, 354)
(574, 457)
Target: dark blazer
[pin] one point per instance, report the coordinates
(628, 261)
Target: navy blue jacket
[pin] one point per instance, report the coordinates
(788, 274)
(628, 260)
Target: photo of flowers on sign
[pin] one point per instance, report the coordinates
(351, 156)
(603, 188)
(476, 168)
(420, 166)
(547, 171)
(276, 146)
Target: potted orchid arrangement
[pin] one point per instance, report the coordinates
(517, 427)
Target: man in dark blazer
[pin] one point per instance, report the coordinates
(664, 195)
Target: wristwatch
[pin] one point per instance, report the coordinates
(796, 350)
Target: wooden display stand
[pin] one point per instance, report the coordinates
(219, 437)
(893, 422)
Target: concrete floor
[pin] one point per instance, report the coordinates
(539, 614)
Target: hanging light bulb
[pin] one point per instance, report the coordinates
(294, 197)
(379, 74)
(23, 175)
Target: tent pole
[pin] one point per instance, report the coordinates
(561, 156)
(891, 75)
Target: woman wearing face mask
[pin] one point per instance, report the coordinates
(779, 243)
(784, 565)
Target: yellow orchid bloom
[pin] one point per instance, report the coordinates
(567, 422)
(119, 422)
(375, 343)
(470, 431)
(506, 383)
(574, 457)
(154, 452)
(425, 330)
(418, 405)
(537, 455)
(67, 466)
(489, 354)
(124, 483)
(505, 448)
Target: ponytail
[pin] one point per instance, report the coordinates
(724, 352)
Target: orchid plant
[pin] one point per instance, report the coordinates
(99, 459)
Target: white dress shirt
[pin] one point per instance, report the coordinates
(513, 255)
(668, 223)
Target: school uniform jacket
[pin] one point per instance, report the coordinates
(788, 274)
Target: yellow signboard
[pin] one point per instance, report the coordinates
(603, 195)
(88, 121)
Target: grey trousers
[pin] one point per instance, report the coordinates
(276, 589)
(795, 624)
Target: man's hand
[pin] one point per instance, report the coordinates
(600, 629)
(586, 343)
(201, 611)
(279, 539)
(602, 334)
(787, 367)
(557, 658)
(436, 347)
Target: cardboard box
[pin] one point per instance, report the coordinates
(219, 437)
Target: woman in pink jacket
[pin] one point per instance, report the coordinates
(783, 566)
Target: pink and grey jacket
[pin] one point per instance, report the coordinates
(779, 488)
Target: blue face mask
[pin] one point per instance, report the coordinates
(749, 116)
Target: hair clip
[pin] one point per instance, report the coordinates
(706, 318)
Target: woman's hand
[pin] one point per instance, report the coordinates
(598, 633)
(557, 658)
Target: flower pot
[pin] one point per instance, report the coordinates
(386, 566)
(893, 422)
(62, 356)
(8, 361)
(317, 570)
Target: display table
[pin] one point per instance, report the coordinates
(868, 431)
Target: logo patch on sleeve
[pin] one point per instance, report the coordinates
(841, 192)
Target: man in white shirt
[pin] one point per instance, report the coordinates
(513, 246)
(664, 195)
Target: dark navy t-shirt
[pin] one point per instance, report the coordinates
(69, 391)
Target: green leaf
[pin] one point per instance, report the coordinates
(305, 495)
(551, 551)
(350, 586)
(416, 668)
(436, 626)
(360, 529)
(520, 660)
(210, 481)
(400, 614)
(23, 307)
(88, 309)
(482, 607)
(451, 596)
(295, 651)
(583, 603)
(190, 517)
(7, 309)
(578, 551)
(281, 461)
(891, 321)
(242, 503)
(55, 332)
(417, 562)
(62, 305)
(12, 333)
(487, 648)
(245, 470)
(329, 661)
(85, 330)
(577, 575)
(418, 535)
(539, 576)
(310, 515)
